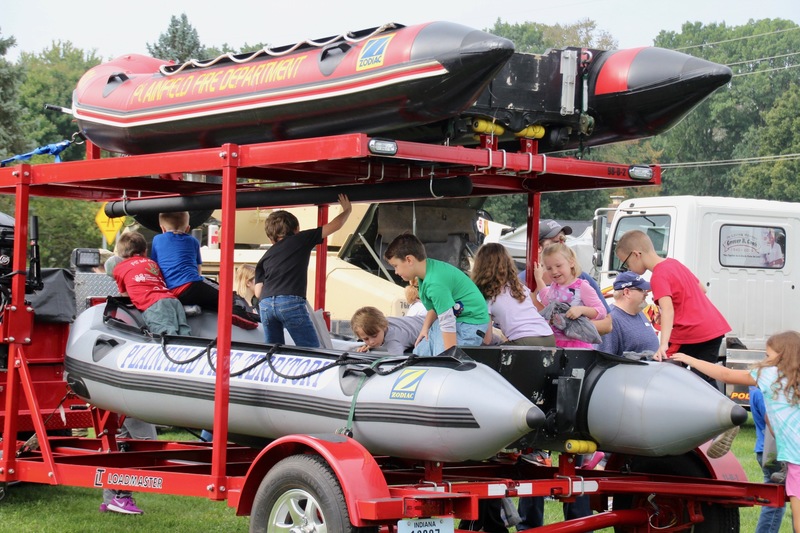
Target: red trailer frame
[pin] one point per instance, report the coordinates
(378, 492)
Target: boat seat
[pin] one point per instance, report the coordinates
(321, 327)
(120, 311)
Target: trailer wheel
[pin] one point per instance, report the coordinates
(718, 518)
(301, 493)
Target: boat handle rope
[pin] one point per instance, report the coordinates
(171, 70)
(191, 359)
(347, 430)
(373, 369)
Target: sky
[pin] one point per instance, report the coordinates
(127, 26)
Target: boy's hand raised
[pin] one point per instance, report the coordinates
(337, 223)
(344, 201)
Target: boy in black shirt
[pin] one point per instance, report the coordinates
(281, 275)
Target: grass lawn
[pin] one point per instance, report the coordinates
(36, 508)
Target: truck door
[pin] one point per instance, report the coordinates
(659, 224)
(751, 281)
(749, 276)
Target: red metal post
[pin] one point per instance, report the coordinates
(17, 324)
(321, 262)
(531, 147)
(92, 151)
(532, 254)
(231, 156)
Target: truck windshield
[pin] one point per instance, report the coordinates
(657, 227)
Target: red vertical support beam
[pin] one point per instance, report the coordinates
(14, 322)
(92, 150)
(218, 488)
(534, 206)
(321, 262)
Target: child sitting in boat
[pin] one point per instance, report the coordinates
(177, 253)
(140, 279)
(457, 312)
(394, 335)
(415, 307)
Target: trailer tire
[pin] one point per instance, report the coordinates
(718, 518)
(301, 490)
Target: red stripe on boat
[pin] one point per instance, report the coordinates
(613, 77)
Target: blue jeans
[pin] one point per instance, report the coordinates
(290, 312)
(769, 521)
(466, 335)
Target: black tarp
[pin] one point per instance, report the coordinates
(56, 301)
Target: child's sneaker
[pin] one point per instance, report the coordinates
(779, 477)
(103, 507)
(722, 443)
(241, 318)
(124, 505)
(192, 310)
(538, 458)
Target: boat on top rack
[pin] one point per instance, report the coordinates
(438, 82)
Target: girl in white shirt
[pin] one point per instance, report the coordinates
(510, 302)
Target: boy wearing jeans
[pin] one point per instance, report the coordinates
(281, 275)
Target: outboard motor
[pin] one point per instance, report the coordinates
(6, 249)
(34, 278)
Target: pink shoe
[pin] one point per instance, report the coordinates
(123, 505)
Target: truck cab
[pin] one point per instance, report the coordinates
(742, 250)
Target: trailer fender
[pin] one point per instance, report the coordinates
(355, 468)
(726, 467)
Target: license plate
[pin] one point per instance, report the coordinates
(426, 525)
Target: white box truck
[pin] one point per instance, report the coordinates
(742, 250)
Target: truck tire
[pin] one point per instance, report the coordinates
(301, 492)
(718, 518)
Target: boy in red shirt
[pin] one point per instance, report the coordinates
(690, 323)
(140, 279)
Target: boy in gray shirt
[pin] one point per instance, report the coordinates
(393, 335)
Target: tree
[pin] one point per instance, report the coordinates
(51, 77)
(63, 226)
(731, 123)
(12, 139)
(780, 135)
(180, 42)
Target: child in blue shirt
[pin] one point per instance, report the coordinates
(177, 253)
